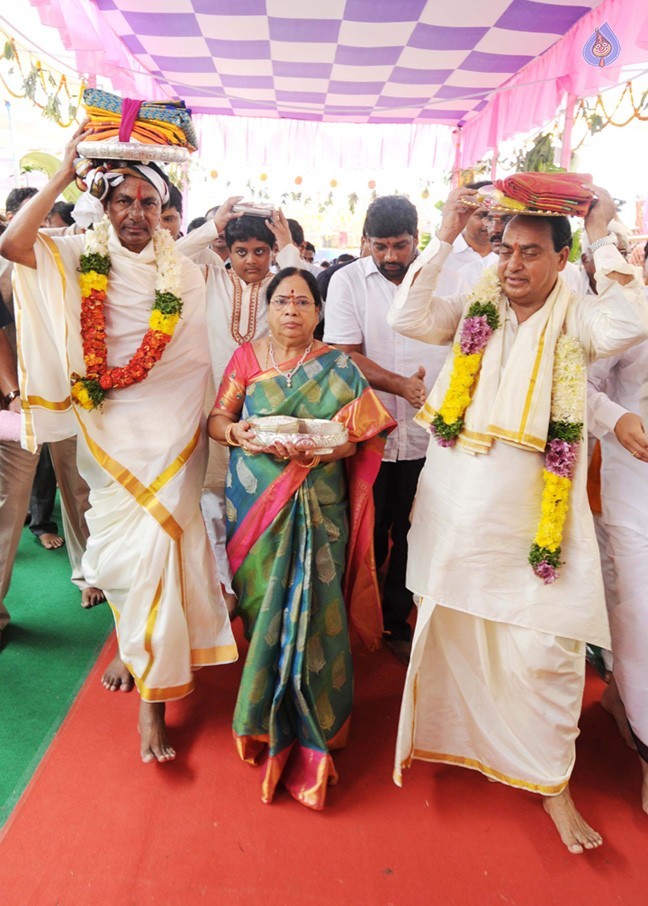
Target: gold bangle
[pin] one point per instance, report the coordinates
(313, 464)
(228, 436)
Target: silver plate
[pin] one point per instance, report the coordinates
(110, 150)
(313, 435)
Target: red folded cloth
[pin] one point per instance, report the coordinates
(561, 193)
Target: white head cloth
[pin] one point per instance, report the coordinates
(100, 180)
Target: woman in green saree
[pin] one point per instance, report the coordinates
(299, 529)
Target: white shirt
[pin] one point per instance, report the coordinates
(357, 303)
(464, 254)
(476, 516)
(237, 312)
(618, 385)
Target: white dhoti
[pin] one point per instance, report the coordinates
(143, 456)
(618, 386)
(628, 613)
(212, 505)
(499, 699)
(490, 686)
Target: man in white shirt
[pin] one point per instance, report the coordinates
(616, 391)
(402, 370)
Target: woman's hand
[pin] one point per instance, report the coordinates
(292, 451)
(243, 433)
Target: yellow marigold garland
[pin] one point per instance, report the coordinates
(482, 319)
(563, 444)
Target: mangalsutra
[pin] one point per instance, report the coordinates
(287, 374)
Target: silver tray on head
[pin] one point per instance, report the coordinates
(313, 435)
(111, 150)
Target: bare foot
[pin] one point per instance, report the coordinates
(611, 702)
(574, 832)
(116, 677)
(155, 744)
(50, 541)
(92, 596)
(644, 785)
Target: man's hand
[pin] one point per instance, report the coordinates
(70, 154)
(603, 210)
(413, 389)
(225, 213)
(630, 433)
(14, 405)
(279, 227)
(455, 214)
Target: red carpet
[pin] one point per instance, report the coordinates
(98, 827)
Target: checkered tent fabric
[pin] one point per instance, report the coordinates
(362, 61)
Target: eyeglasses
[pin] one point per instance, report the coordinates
(298, 301)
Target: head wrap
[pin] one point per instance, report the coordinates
(98, 178)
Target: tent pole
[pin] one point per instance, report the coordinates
(12, 143)
(565, 151)
(457, 160)
(493, 173)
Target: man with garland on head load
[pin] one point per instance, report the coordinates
(502, 551)
(236, 314)
(127, 326)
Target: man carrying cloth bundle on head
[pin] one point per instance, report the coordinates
(126, 317)
(502, 551)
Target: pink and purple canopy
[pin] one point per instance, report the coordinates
(493, 67)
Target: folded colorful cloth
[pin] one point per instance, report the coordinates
(560, 193)
(157, 122)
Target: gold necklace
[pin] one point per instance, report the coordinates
(288, 374)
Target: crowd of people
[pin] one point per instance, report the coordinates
(139, 359)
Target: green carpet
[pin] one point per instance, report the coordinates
(47, 651)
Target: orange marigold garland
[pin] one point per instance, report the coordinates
(89, 391)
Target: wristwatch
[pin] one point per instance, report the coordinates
(11, 396)
(605, 240)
